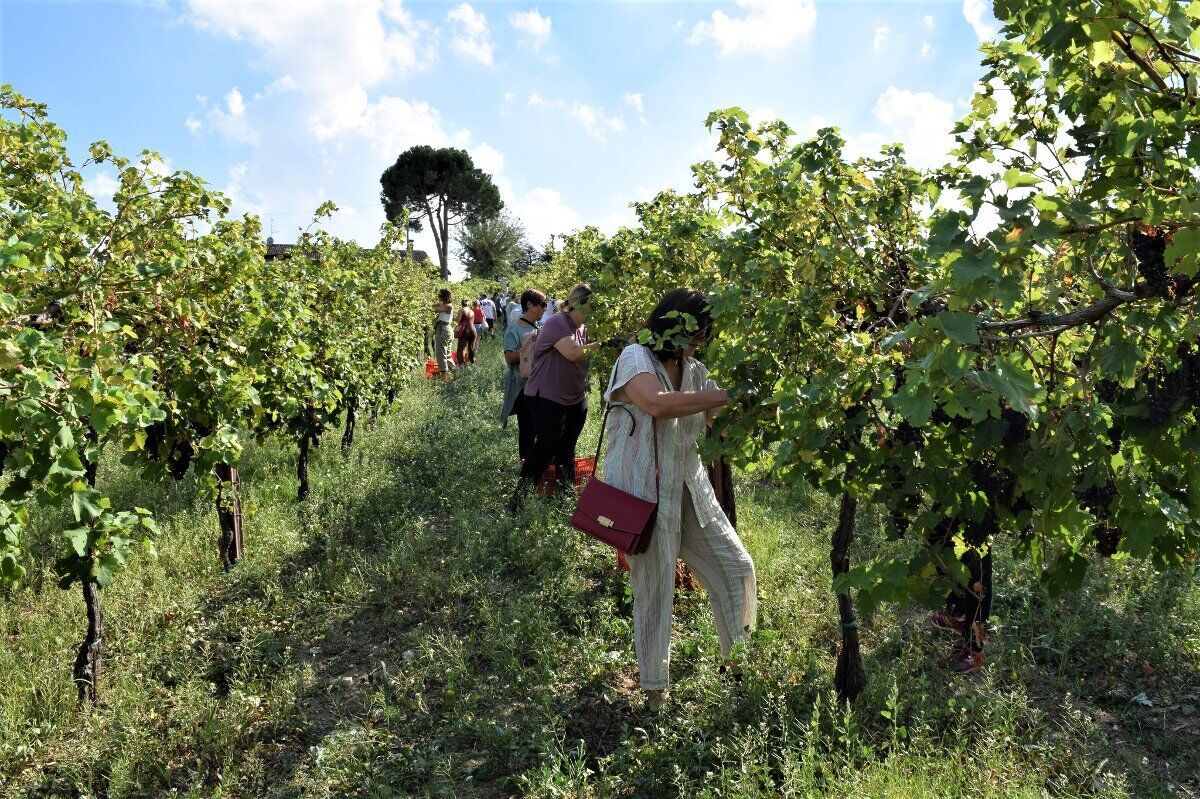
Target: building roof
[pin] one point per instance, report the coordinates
(285, 251)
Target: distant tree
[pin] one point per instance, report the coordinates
(491, 247)
(529, 258)
(441, 186)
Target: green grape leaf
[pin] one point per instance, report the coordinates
(86, 504)
(960, 327)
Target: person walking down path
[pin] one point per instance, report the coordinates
(556, 393)
(489, 314)
(666, 396)
(498, 304)
(468, 337)
(533, 306)
(514, 307)
(480, 327)
(444, 309)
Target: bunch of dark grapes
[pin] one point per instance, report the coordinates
(988, 479)
(904, 507)
(1106, 390)
(1108, 539)
(180, 459)
(1149, 250)
(905, 433)
(1189, 357)
(3, 456)
(1097, 499)
(1116, 434)
(1020, 504)
(155, 434)
(1162, 396)
(931, 308)
(1016, 427)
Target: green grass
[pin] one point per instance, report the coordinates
(398, 635)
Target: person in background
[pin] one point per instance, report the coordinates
(501, 311)
(444, 309)
(670, 399)
(480, 327)
(489, 314)
(557, 394)
(514, 306)
(533, 306)
(468, 337)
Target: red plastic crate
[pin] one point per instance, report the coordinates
(584, 469)
(431, 367)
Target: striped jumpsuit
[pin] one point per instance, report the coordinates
(690, 523)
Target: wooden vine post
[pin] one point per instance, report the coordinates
(302, 466)
(229, 514)
(86, 673)
(88, 660)
(721, 476)
(850, 678)
(351, 420)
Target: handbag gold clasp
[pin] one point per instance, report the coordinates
(604, 520)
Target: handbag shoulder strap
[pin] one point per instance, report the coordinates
(608, 406)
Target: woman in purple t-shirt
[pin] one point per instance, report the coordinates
(556, 392)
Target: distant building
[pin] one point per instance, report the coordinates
(284, 251)
(277, 251)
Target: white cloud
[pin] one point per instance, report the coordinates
(881, 37)
(535, 28)
(926, 50)
(471, 37)
(391, 125)
(979, 15)
(331, 52)
(237, 106)
(102, 186)
(597, 123)
(637, 101)
(927, 21)
(919, 120)
(232, 122)
(229, 121)
(285, 84)
(320, 108)
(763, 114)
(544, 213)
(765, 26)
(488, 158)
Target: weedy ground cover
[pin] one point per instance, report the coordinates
(398, 635)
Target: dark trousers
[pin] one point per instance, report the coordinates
(973, 602)
(556, 431)
(525, 426)
(466, 348)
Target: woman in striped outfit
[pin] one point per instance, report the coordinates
(665, 395)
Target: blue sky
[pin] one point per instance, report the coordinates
(576, 108)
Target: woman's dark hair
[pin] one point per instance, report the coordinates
(669, 328)
(443, 295)
(532, 297)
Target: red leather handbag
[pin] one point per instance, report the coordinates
(615, 516)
